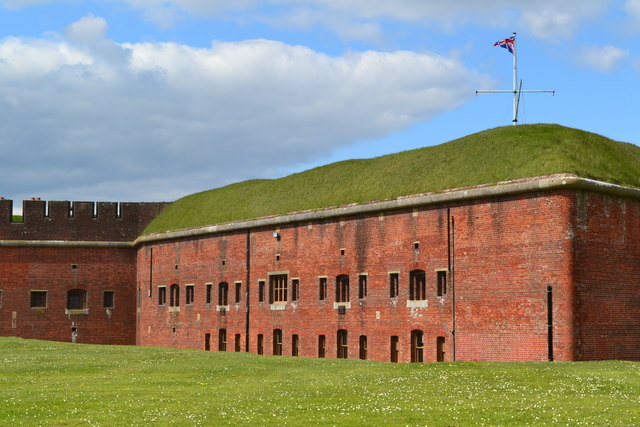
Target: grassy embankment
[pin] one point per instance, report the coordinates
(487, 157)
(48, 383)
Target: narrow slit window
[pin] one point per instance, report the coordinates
(189, 294)
(209, 292)
(260, 344)
(295, 289)
(222, 340)
(174, 296)
(237, 342)
(238, 291)
(417, 285)
(294, 345)
(322, 345)
(223, 293)
(442, 282)
(322, 288)
(162, 295)
(362, 286)
(342, 288)
(277, 342)
(363, 347)
(342, 344)
(394, 285)
(394, 349)
(261, 284)
(417, 346)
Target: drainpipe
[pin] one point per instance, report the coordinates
(247, 290)
(550, 323)
(452, 268)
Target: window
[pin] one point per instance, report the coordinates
(237, 342)
(162, 295)
(190, 294)
(417, 346)
(223, 293)
(38, 299)
(440, 349)
(294, 345)
(209, 291)
(394, 349)
(260, 290)
(394, 285)
(342, 344)
(362, 286)
(0, 298)
(322, 345)
(260, 345)
(238, 291)
(342, 288)
(363, 347)
(442, 282)
(295, 289)
(174, 296)
(222, 340)
(207, 342)
(278, 288)
(76, 299)
(108, 299)
(277, 342)
(322, 288)
(417, 285)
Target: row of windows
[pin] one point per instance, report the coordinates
(281, 291)
(76, 299)
(342, 345)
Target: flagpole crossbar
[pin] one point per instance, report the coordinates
(510, 45)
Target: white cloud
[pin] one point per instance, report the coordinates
(632, 7)
(604, 59)
(86, 116)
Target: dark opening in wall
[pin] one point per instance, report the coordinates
(294, 345)
(237, 343)
(209, 291)
(440, 349)
(394, 285)
(442, 282)
(223, 293)
(417, 346)
(363, 347)
(277, 342)
(207, 342)
(260, 344)
(222, 340)
(174, 296)
(38, 299)
(362, 286)
(417, 285)
(261, 284)
(76, 299)
(322, 345)
(342, 344)
(322, 288)
(189, 294)
(342, 288)
(108, 299)
(295, 289)
(162, 295)
(394, 349)
(238, 292)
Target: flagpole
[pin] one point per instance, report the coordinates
(515, 79)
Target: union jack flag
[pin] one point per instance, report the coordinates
(509, 44)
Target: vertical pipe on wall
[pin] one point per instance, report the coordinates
(453, 286)
(150, 271)
(247, 292)
(550, 323)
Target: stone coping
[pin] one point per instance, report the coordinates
(528, 185)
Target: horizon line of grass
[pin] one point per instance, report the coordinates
(495, 155)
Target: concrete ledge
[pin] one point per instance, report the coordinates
(528, 185)
(63, 243)
(423, 303)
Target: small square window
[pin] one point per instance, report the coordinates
(38, 299)
(108, 299)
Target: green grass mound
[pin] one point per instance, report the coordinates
(494, 155)
(49, 383)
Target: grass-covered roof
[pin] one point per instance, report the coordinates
(494, 155)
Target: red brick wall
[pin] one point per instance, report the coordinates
(507, 252)
(607, 277)
(50, 268)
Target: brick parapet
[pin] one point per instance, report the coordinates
(76, 221)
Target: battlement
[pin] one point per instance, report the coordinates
(77, 221)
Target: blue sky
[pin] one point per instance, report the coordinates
(144, 100)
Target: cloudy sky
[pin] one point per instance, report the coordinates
(146, 100)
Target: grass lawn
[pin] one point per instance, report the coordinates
(491, 156)
(49, 383)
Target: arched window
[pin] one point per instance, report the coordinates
(417, 346)
(342, 288)
(76, 299)
(174, 296)
(417, 285)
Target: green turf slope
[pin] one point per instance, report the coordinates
(494, 155)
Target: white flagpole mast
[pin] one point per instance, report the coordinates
(515, 79)
(516, 91)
